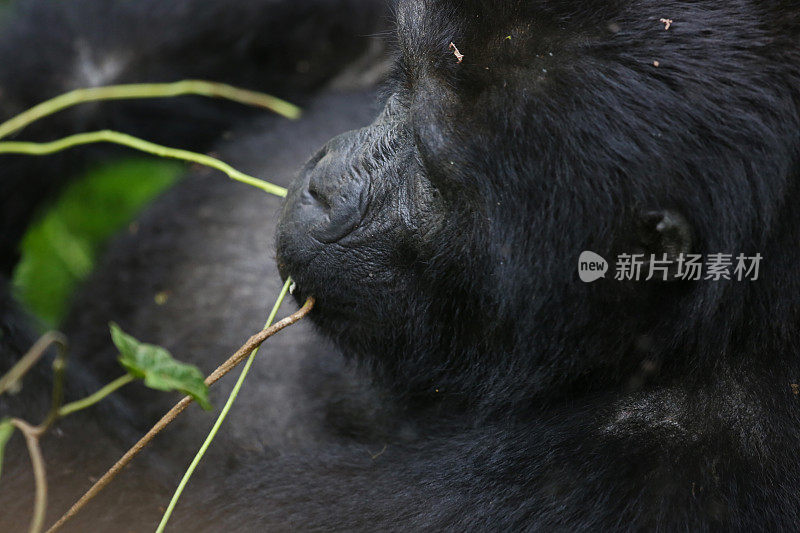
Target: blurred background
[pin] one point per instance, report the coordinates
(60, 248)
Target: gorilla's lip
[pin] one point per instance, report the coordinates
(327, 309)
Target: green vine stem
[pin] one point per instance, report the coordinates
(92, 399)
(11, 378)
(148, 90)
(115, 137)
(222, 370)
(222, 415)
(32, 435)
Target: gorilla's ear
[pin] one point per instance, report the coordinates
(665, 232)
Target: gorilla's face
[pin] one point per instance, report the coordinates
(441, 242)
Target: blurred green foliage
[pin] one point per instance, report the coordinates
(60, 249)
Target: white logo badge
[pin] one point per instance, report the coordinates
(591, 267)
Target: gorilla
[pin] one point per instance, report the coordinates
(456, 373)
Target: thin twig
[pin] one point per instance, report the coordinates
(115, 137)
(221, 418)
(254, 342)
(30, 358)
(32, 435)
(148, 90)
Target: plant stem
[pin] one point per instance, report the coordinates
(39, 475)
(221, 418)
(59, 371)
(96, 397)
(30, 358)
(148, 90)
(251, 344)
(115, 137)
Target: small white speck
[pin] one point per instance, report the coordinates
(292, 287)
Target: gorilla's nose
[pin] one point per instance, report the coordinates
(332, 195)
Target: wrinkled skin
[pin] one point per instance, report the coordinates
(458, 214)
(473, 382)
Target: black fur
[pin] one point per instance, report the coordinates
(482, 385)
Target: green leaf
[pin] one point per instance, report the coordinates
(6, 430)
(158, 368)
(59, 250)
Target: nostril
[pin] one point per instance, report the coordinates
(332, 208)
(316, 158)
(319, 198)
(330, 194)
